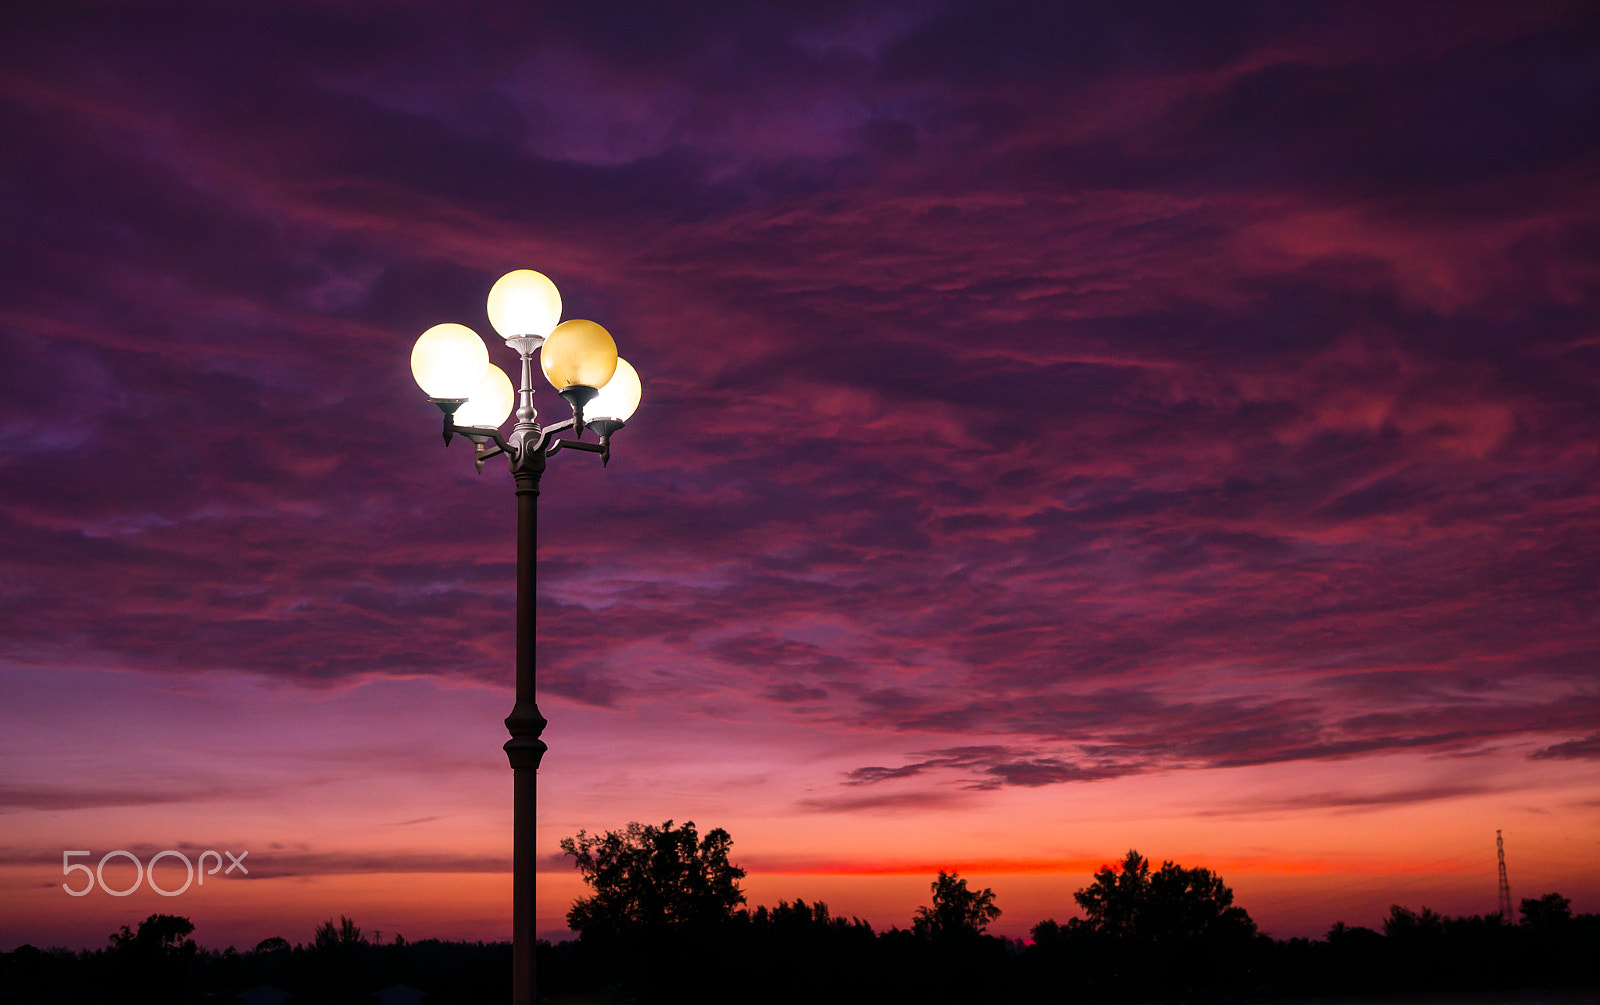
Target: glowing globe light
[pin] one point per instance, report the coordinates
(449, 361)
(524, 302)
(618, 399)
(578, 353)
(490, 403)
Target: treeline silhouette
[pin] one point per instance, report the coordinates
(666, 922)
(159, 963)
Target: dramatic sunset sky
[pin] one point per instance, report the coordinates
(1067, 428)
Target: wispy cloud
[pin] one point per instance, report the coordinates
(886, 802)
(76, 797)
(1586, 748)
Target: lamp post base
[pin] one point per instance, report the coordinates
(524, 913)
(525, 750)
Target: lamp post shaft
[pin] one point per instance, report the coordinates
(525, 749)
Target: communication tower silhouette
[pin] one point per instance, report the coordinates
(1505, 887)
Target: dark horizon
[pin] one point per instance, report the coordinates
(1173, 945)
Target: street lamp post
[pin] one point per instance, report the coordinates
(580, 360)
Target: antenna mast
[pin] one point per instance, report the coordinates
(1505, 887)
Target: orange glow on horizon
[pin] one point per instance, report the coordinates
(1078, 866)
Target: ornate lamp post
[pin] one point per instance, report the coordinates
(580, 360)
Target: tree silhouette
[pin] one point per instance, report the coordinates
(151, 964)
(1172, 904)
(1546, 912)
(956, 910)
(1114, 901)
(160, 935)
(1154, 932)
(1188, 904)
(652, 879)
(799, 916)
(346, 935)
(1404, 923)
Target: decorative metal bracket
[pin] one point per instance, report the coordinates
(529, 440)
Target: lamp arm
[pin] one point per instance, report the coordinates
(593, 448)
(483, 454)
(478, 434)
(533, 437)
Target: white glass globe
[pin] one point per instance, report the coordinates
(449, 361)
(489, 405)
(618, 399)
(524, 302)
